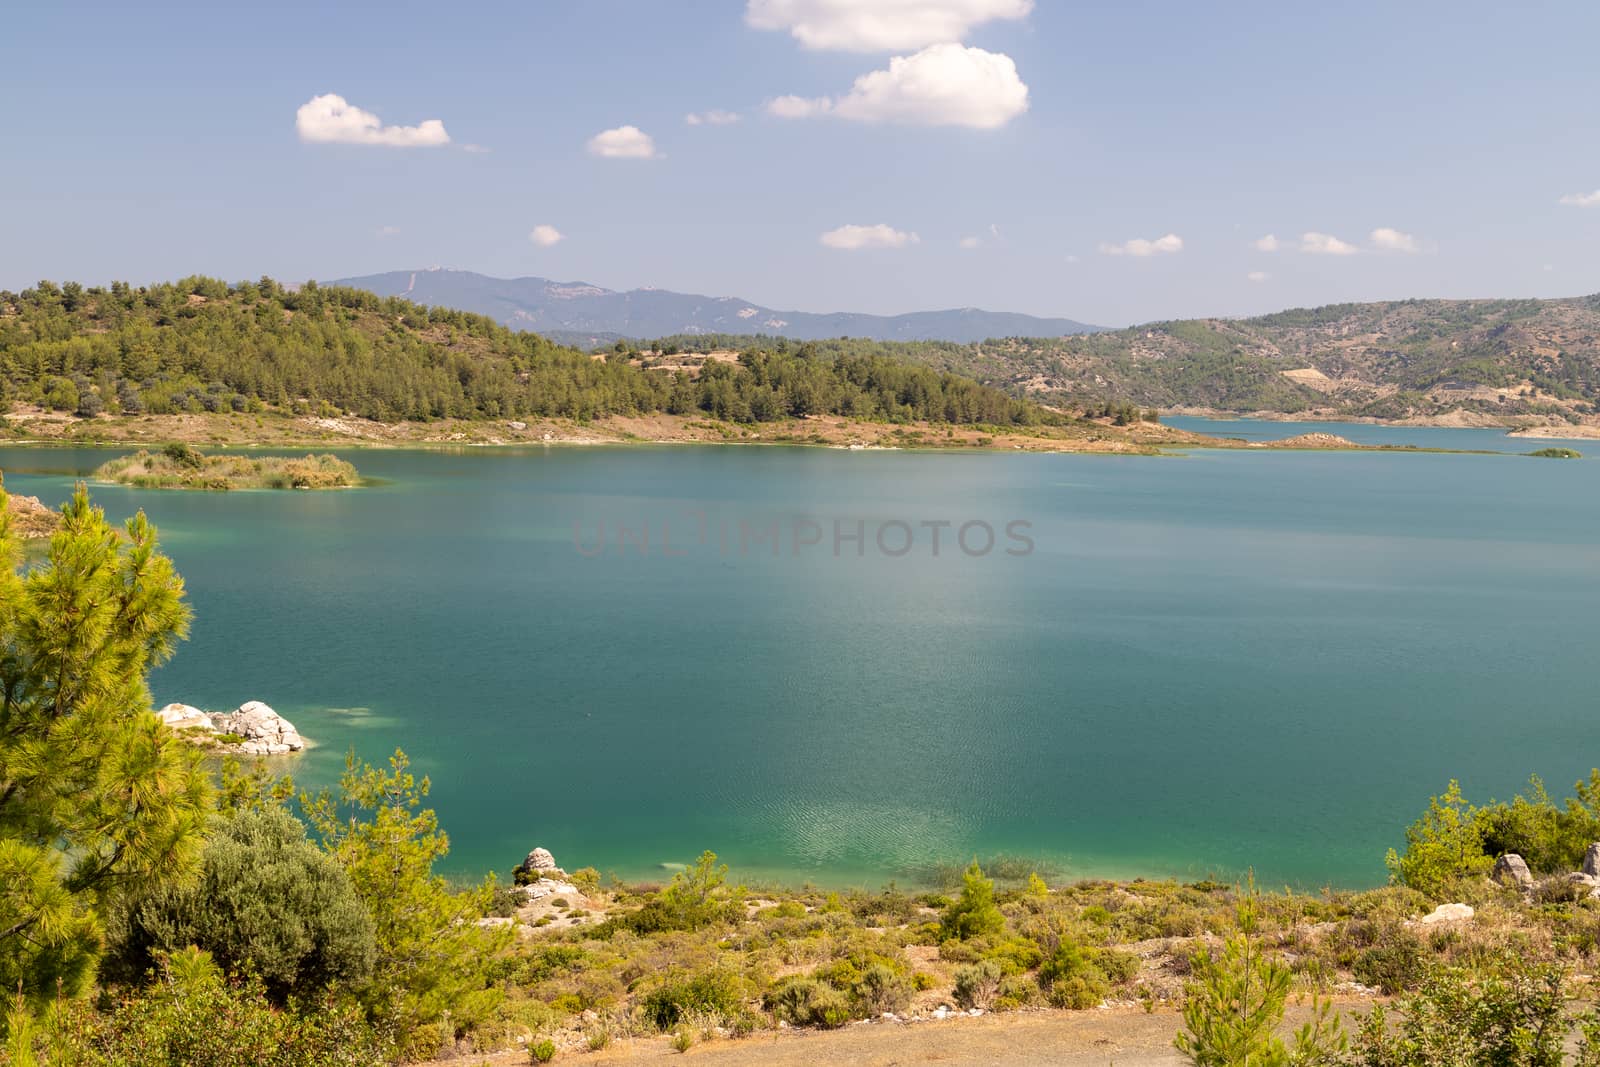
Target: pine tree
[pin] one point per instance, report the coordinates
(97, 798)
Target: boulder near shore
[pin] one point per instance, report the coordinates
(261, 731)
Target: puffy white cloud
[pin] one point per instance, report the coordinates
(854, 238)
(1394, 241)
(545, 236)
(331, 119)
(1258, 276)
(1141, 247)
(1582, 199)
(879, 25)
(1324, 244)
(943, 85)
(799, 107)
(1269, 243)
(624, 142)
(714, 117)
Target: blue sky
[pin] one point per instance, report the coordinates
(1113, 163)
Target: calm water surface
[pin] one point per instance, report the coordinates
(1208, 662)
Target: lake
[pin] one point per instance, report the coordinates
(1182, 666)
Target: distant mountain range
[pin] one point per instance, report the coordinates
(579, 313)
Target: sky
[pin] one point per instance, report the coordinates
(1112, 163)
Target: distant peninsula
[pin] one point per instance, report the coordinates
(181, 466)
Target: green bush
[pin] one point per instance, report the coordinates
(206, 1022)
(1443, 848)
(975, 914)
(710, 991)
(1394, 966)
(543, 1052)
(268, 903)
(977, 984)
(808, 1002)
(882, 989)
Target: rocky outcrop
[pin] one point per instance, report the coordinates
(30, 517)
(1512, 870)
(265, 732)
(184, 717)
(253, 729)
(538, 865)
(1591, 860)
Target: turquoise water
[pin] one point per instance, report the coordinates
(1208, 662)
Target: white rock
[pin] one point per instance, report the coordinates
(265, 732)
(1591, 859)
(184, 717)
(1448, 913)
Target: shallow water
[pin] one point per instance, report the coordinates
(1207, 662)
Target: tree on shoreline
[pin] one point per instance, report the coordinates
(97, 799)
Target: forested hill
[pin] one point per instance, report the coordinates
(202, 345)
(585, 314)
(1497, 358)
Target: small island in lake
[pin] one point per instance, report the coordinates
(180, 466)
(1557, 453)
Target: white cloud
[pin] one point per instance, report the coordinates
(475, 149)
(879, 25)
(943, 85)
(388, 231)
(853, 238)
(971, 242)
(1258, 276)
(799, 107)
(1269, 243)
(624, 142)
(1582, 199)
(714, 117)
(330, 119)
(545, 236)
(1140, 247)
(1394, 241)
(1323, 244)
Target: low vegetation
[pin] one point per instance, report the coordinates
(180, 466)
(1557, 453)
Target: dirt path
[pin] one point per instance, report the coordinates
(1122, 1037)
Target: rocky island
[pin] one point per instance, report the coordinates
(253, 729)
(181, 466)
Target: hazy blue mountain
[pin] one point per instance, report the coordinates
(577, 311)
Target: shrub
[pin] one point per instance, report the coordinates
(206, 1022)
(808, 1002)
(1443, 847)
(975, 913)
(667, 1004)
(1394, 966)
(543, 1052)
(1079, 992)
(977, 984)
(268, 903)
(882, 989)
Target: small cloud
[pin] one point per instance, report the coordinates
(1394, 241)
(1549, 267)
(1323, 244)
(1269, 243)
(1072, 259)
(331, 119)
(624, 142)
(475, 149)
(942, 85)
(388, 231)
(714, 117)
(971, 242)
(1140, 248)
(546, 236)
(1582, 199)
(1258, 276)
(878, 25)
(799, 107)
(854, 238)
